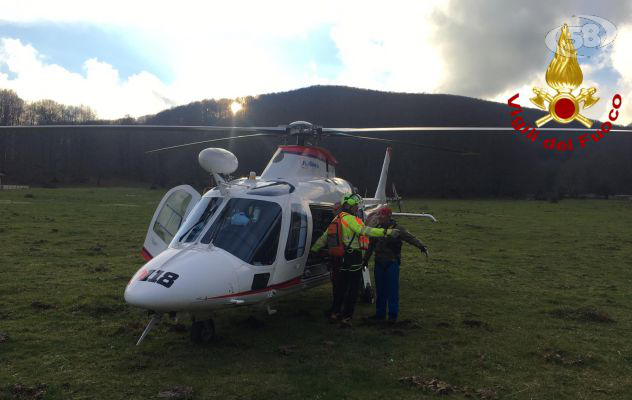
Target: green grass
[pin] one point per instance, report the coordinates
(536, 284)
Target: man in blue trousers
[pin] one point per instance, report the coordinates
(387, 260)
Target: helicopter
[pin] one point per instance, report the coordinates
(246, 241)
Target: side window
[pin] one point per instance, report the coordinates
(171, 215)
(267, 250)
(297, 236)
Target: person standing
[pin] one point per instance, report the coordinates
(387, 262)
(343, 241)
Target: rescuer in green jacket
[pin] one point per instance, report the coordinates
(344, 240)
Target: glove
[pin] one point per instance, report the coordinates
(392, 232)
(424, 250)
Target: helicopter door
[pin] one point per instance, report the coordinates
(171, 212)
(296, 245)
(321, 218)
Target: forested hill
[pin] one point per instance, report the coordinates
(505, 164)
(340, 106)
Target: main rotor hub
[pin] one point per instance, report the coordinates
(305, 132)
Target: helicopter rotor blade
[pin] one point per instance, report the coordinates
(209, 141)
(482, 129)
(332, 133)
(201, 128)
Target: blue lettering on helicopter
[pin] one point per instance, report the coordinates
(310, 164)
(157, 276)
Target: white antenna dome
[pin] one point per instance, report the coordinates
(219, 161)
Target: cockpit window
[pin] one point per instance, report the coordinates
(248, 229)
(198, 219)
(171, 215)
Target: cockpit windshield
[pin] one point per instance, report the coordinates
(248, 229)
(198, 219)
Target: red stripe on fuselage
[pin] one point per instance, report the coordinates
(283, 285)
(146, 254)
(310, 151)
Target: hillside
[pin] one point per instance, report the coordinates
(340, 106)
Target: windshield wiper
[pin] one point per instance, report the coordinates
(275, 184)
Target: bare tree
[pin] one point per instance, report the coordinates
(11, 106)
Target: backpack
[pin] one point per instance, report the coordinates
(335, 245)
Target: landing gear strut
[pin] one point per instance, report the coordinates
(367, 294)
(202, 331)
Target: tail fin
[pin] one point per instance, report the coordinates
(380, 193)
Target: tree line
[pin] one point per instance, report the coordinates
(15, 111)
(502, 164)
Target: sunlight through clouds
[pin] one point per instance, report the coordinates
(223, 49)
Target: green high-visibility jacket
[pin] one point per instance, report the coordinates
(350, 225)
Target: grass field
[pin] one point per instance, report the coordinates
(520, 300)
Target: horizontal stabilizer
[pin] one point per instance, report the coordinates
(415, 215)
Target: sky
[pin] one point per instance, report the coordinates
(140, 57)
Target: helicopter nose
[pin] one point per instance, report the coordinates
(176, 279)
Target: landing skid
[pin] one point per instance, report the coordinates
(150, 325)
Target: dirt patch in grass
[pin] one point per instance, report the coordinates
(472, 226)
(176, 392)
(127, 328)
(437, 386)
(287, 349)
(561, 357)
(21, 392)
(42, 306)
(100, 268)
(98, 307)
(586, 314)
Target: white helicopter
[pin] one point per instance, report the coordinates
(246, 241)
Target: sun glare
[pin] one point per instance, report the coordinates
(235, 107)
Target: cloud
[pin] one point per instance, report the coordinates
(492, 46)
(485, 49)
(388, 46)
(99, 87)
(221, 50)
